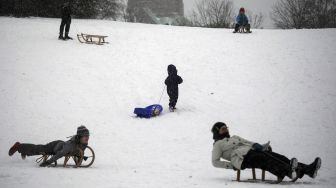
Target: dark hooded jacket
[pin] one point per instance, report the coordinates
(172, 81)
(66, 13)
(65, 148)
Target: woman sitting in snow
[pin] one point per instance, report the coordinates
(240, 154)
(56, 148)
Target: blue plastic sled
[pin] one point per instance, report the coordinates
(149, 111)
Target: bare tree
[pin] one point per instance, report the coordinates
(304, 14)
(109, 9)
(213, 13)
(124, 12)
(256, 20)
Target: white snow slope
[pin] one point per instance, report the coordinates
(269, 85)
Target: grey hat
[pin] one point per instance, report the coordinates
(83, 131)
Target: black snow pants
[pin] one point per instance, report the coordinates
(66, 23)
(272, 162)
(32, 149)
(173, 96)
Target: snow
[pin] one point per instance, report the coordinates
(269, 85)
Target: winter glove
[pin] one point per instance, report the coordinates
(45, 164)
(257, 147)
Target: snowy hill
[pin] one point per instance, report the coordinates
(270, 85)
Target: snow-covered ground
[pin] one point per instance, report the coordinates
(270, 85)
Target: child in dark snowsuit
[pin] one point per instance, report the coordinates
(172, 82)
(66, 21)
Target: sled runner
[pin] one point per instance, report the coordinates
(262, 180)
(82, 159)
(92, 39)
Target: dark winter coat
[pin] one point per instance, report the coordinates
(242, 19)
(172, 81)
(66, 13)
(65, 148)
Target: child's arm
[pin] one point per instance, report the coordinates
(166, 81)
(180, 80)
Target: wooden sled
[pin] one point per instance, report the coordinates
(263, 179)
(91, 39)
(82, 159)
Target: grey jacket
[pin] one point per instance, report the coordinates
(232, 150)
(65, 148)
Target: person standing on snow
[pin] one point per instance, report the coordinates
(172, 82)
(240, 154)
(56, 148)
(242, 20)
(66, 21)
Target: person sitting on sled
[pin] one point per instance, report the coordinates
(56, 148)
(66, 21)
(172, 82)
(242, 21)
(240, 154)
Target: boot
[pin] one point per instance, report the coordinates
(60, 37)
(171, 109)
(314, 167)
(248, 29)
(302, 170)
(14, 149)
(67, 37)
(236, 28)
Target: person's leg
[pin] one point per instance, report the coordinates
(279, 156)
(261, 160)
(31, 149)
(172, 101)
(310, 170)
(62, 28)
(248, 27)
(303, 169)
(67, 29)
(236, 28)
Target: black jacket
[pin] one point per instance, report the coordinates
(66, 13)
(64, 148)
(172, 81)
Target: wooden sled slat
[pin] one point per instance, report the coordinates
(78, 159)
(92, 39)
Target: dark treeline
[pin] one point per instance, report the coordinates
(299, 14)
(51, 8)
